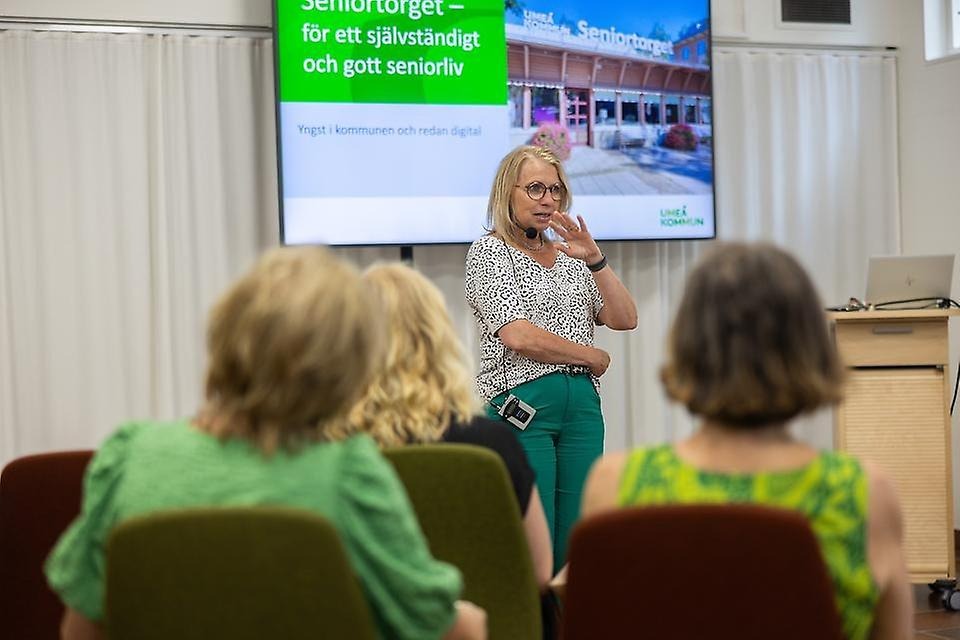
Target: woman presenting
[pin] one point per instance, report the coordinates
(536, 303)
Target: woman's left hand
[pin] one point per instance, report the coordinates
(577, 241)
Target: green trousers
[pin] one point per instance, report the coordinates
(562, 442)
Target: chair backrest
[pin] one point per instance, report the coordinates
(39, 496)
(239, 573)
(468, 512)
(710, 571)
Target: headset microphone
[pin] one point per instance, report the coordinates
(530, 232)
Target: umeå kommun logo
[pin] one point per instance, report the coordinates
(678, 218)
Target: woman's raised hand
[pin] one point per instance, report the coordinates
(577, 241)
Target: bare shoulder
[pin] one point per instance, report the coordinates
(883, 506)
(893, 614)
(884, 528)
(603, 483)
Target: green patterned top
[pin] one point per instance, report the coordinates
(831, 492)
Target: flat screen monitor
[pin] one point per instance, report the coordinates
(392, 115)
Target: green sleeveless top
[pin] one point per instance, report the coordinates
(831, 492)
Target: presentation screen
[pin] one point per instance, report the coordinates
(393, 114)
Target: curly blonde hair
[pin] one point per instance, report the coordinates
(424, 383)
(289, 345)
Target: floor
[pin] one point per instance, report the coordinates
(932, 620)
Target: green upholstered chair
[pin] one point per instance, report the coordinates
(257, 572)
(469, 515)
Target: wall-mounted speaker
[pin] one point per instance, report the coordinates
(815, 11)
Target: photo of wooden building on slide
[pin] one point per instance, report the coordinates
(631, 110)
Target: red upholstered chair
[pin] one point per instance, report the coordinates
(39, 496)
(710, 571)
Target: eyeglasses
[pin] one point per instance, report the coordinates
(535, 190)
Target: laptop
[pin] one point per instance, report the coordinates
(921, 280)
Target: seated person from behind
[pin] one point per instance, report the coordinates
(424, 392)
(288, 346)
(748, 351)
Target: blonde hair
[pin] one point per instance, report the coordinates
(289, 346)
(499, 212)
(749, 345)
(424, 383)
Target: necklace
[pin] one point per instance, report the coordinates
(536, 248)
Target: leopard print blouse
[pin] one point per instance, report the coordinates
(504, 284)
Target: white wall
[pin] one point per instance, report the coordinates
(873, 24)
(930, 168)
(750, 20)
(929, 143)
(874, 21)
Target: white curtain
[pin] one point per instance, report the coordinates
(137, 177)
(807, 158)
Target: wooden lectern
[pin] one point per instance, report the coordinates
(896, 413)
